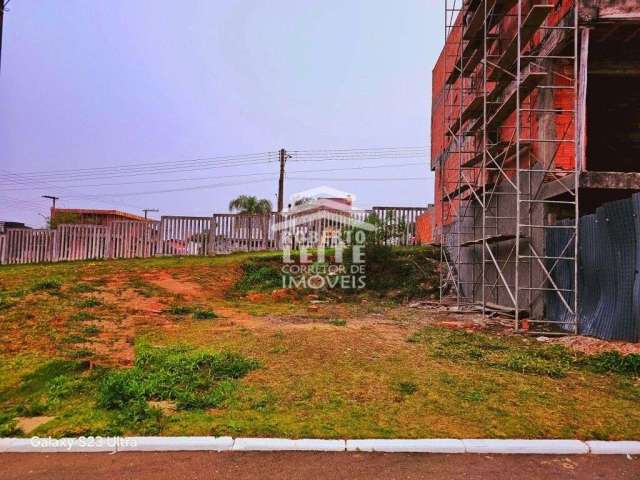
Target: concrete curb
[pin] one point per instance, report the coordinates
(598, 447)
(419, 446)
(221, 444)
(535, 447)
(168, 444)
(285, 444)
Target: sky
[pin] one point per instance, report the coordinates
(131, 104)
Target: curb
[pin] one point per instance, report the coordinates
(222, 444)
(415, 446)
(285, 444)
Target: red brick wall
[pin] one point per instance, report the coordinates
(424, 227)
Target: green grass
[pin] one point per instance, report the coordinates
(313, 381)
(180, 310)
(262, 274)
(47, 284)
(492, 352)
(203, 314)
(89, 303)
(338, 322)
(194, 379)
(82, 316)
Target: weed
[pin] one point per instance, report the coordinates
(200, 314)
(193, 379)
(279, 349)
(33, 409)
(144, 288)
(91, 331)
(536, 362)
(73, 338)
(82, 317)
(5, 304)
(83, 287)
(62, 387)
(338, 322)
(552, 361)
(8, 427)
(89, 303)
(37, 380)
(473, 396)
(137, 415)
(81, 353)
(406, 388)
(259, 275)
(179, 310)
(614, 362)
(46, 284)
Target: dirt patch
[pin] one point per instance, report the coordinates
(177, 286)
(29, 424)
(593, 346)
(167, 407)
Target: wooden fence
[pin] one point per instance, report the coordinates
(173, 235)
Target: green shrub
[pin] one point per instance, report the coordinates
(47, 284)
(204, 314)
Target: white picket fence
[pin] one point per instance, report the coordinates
(178, 235)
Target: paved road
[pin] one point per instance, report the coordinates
(310, 466)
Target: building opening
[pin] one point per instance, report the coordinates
(613, 98)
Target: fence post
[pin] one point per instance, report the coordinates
(3, 250)
(159, 249)
(211, 240)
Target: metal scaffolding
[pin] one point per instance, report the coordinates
(510, 107)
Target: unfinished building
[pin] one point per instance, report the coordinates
(535, 127)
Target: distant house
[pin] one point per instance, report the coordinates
(4, 225)
(91, 216)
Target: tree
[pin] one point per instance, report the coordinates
(248, 204)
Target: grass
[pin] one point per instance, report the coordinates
(47, 284)
(89, 303)
(338, 322)
(203, 314)
(275, 369)
(492, 352)
(180, 310)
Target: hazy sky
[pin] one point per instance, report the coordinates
(98, 84)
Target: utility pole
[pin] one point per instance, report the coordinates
(3, 6)
(283, 159)
(147, 210)
(53, 199)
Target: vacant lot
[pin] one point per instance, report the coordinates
(211, 346)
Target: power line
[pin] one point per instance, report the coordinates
(190, 179)
(220, 161)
